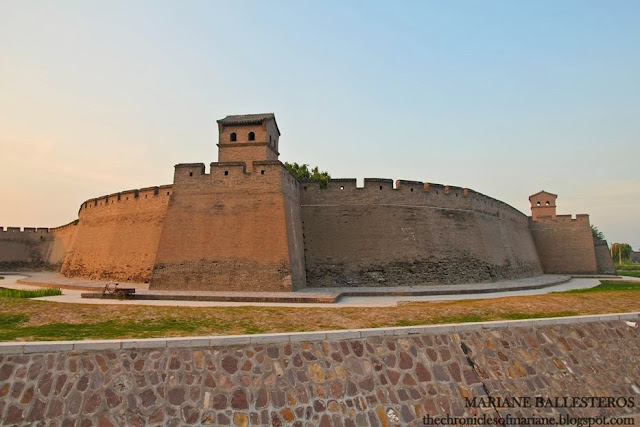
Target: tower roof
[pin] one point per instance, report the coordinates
(542, 192)
(248, 119)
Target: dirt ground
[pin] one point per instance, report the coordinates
(176, 321)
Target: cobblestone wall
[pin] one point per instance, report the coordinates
(327, 380)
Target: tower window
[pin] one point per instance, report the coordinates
(226, 172)
(190, 173)
(538, 204)
(262, 172)
(233, 136)
(252, 136)
(546, 204)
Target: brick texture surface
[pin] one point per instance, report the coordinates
(565, 245)
(117, 236)
(415, 234)
(604, 262)
(34, 249)
(227, 230)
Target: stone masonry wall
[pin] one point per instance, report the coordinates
(227, 230)
(565, 245)
(117, 235)
(385, 377)
(414, 234)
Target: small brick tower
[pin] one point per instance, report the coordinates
(238, 227)
(543, 204)
(248, 138)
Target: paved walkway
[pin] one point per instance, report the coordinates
(541, 285)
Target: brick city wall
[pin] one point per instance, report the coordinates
(227, 230)
(565, 244)
(415, 233)
(372, 377)
(33, 248)
(604, 263)
(117, 235)
(265, 231)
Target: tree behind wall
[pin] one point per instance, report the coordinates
(302, 172)
(597, 234)
(621, 252)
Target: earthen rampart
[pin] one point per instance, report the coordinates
(117, 235)
(410, 234)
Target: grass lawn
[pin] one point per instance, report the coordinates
(630, 273)
(24, 319)
(631, 270)
(607, 285)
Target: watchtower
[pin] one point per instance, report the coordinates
(248, 138)
(543, 204)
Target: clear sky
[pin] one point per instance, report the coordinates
(505, 97)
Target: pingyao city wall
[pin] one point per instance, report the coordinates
(248, 224)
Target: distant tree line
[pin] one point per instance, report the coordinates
(621, 252)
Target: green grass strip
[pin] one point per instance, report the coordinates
(628, 267)
(23, 293)
(606, 285)
(12, 327)
(629, 273)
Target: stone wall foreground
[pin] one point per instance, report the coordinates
(379, 377)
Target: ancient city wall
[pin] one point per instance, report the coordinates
(34, 248)
(373, 377)
(412, 234)
(565, 244)
(230, 230)
(117, 235)
(604, 263)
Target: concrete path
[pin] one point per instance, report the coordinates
(73, 295)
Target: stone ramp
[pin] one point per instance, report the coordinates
(308, 295)
(369, 377)
(280, 297)
(49, 279)
(538, 282)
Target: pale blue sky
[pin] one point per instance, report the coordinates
(504, 97)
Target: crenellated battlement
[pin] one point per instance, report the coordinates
(42, 230)
(381, 191)
(563, 219)
(192, 176)
(127, 195)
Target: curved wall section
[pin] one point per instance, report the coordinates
(117, 236)
(414, 234)
(32, 248)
